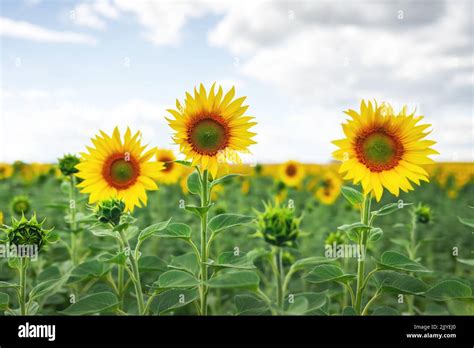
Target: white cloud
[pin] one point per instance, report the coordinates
(32, 32)
(93, 14)
(55, 122)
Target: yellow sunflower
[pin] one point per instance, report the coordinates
(171, 171)
(382, 149)
(291, 173)
(6, 171)
(329, 188)
(118, 169)
(211, 128)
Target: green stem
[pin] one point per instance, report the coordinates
(279, 277)
(204, 251)
(366, 308)
(412, 255)
(134, 272)
(22, 290)
(365, 217)
(72, 216)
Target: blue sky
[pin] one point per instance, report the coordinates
(69, 68)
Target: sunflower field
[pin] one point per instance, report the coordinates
(125, 228)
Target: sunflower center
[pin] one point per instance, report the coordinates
(120, 171)
(208, 136)
(379, 150)
(291, 170)
(168, 164)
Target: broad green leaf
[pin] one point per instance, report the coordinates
(374, 234)
(249, 304)
(151, 263)
(172, 299)
(93, 304)
(223, 179)
(153, 230)
(397, 283)
(327, 273)
(304, 303)
(103, 231)
(353, 230)
(194, 183)
(88, 269)
(390, 208)
(310, 261)
(176, 279)
(467, 222)
(394, 261)
(4, 301)
(352, 195)
(228, 259)
(48, 287)
(231, 279)
(349, 311)
(119, 258)
(448, 289)
(187, 262)
(51, 272)
(221, 222)
(175, 230)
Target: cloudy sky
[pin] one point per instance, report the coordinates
(69, 68)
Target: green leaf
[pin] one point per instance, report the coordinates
(467, 222)
(310, 261)
(349, 311)
(199, 211)
(151, 263)
(223, 179)
(232, 279)
(394, 261)
(353, 230)
(119, 258)
(187, 262)
(249, 304)
(176, 279)
(102, 231)
(88, 269)
(375, 233)
(305, 303)
(390, 208)
(194, 183)
(327, 273)
(221, 222)
(352, 195)
(396, 283)
(184, 163)
(48, 287)
(4, 301)
(153, 230)
(469, 262)
(92, 304)
(8, 285)
(175, 230)
(172, 299)
(449, 289)
(228, 259)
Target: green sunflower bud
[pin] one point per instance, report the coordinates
(110, 211)
(20, 205)
(423, 213)
(278, 225)
(27, 232)
(67, 164)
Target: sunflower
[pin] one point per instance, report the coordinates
(6, 171)
(384, 150)
(329, 189)
(118, 169)
(291, 173)
(211, 128)
(171, 171)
